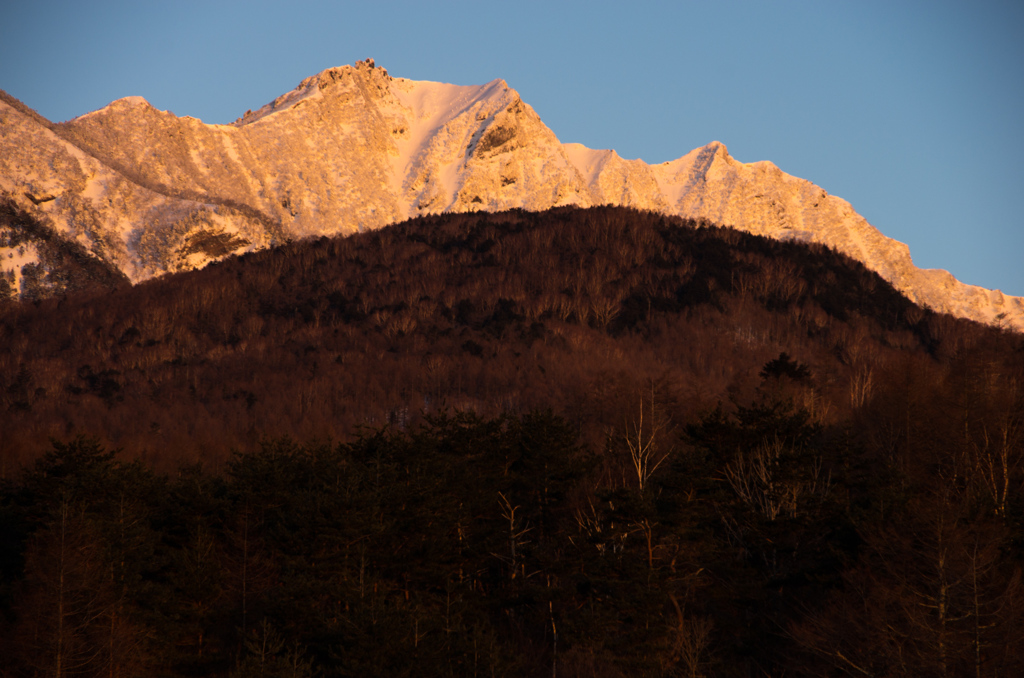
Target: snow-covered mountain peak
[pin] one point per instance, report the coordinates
(353, 148)
(131, 102)
(120, 105)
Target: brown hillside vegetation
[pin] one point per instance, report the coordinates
(578, 310)
(592, 443)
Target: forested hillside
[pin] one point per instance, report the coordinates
(580, 442)
(578, 310)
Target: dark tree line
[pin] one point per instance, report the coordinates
(764, 543)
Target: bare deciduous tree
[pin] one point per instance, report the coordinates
(517, 529)
(691, 641)
(757, 481)
(643, 441)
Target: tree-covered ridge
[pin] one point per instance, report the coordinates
(570, 309)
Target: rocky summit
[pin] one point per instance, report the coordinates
(139, 192)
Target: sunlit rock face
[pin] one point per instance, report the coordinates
(353, 148)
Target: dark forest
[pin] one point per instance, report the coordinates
(592, 442)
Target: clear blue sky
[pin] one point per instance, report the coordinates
(912, 111)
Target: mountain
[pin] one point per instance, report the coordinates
(353, 149)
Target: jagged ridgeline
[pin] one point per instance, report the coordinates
(352, 148)
(581, 442)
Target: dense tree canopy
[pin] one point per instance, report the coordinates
(581, 442)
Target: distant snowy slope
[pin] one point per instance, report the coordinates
(75, 197)
(353, 149)
(760, 198)
(348, 149)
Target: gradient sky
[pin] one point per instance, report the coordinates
(912, 111)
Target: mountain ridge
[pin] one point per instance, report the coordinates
(353, 148)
